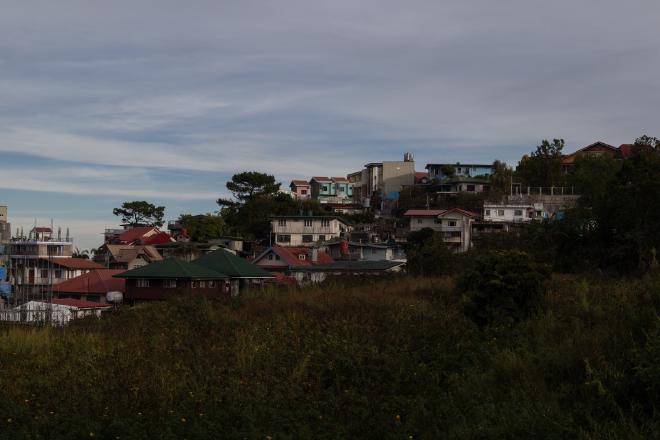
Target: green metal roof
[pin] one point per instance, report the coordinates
(225, 262)
(173, 268)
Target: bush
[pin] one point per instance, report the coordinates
(502, 287)
(427, 253)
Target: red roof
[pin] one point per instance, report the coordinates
(340, 179)
(321, 179)
(299, 182)
(95, 282)
(423, 212)
(75, 263)
(292, 256)
(135, 234)
(628, 150)
(160, 238)
(71, 302)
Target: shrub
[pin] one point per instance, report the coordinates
(427, 253)
(502, 287)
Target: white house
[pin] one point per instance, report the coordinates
(454, 225)
(306, 230)
(513, 213)
(57, 312)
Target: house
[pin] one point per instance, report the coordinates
(444, 171)
(513, 213)
(460, 184)
(171, 277)
(356, 251)
(334, 190)
(306, 230)
(117, 256)
(242, 273)
(288, 260)
(56, 312)
(385, 179)
(92, 286)
(422, 178)
(319, 273)
(42, 259)
(601, 149)
(454, 225)
(300, 189)
(137, 235)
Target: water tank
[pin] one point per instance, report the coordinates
(114, 297)
(408, 157)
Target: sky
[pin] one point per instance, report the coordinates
(163, 100)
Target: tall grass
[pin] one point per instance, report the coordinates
(389, 358)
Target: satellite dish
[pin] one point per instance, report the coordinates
(114, 297)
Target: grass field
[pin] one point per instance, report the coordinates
(381, 359)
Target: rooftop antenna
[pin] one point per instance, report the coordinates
(59, 233)
(67, 234)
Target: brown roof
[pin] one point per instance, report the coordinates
(99, 282)
(340, 179)
(299, 183)
(78, 303)
(423, 212)
(74, 263)
(123, 253)
(134, 234)
(321, 179)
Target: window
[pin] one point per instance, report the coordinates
(44, 273)
(169, 284)
(284, 239)
(487, 213)
(470, 188)
(277, 257)
(281, 222)
(437, 221)
(373, 251)
(451, 222)
(325, 222)
(500, 213)
(325, 188)
(142, 283)
(517, 212)
(321, 237)
(198, 284)
(340, 189)
(58, 273)
(419, 221)
(211, 284)
(270, 257)
(301, 257)
(308, 222)
(307, 238)
(303, 191)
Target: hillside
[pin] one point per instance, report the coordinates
(392, 358)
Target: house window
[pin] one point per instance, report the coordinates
(487, 213)
(307, 238)
(301, 257)
(470, 188)
(211, 284)
(198, 284)
(303, 191)
(270, 257)
(58, 273)
(517, 212)
(308, 222)
(373, 251)
(340, 189)
(500, 213)
(277, 257)
(437, 221)
(284, 239)
(169, 284)
(325, 222)
(142, 283)
(325, 188)
(321, 237)
(419, 221)
(44, 273)
(281, 222)
(451, 223)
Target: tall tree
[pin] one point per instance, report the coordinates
(202, 228)
(650, 141)
(249, 184)
(501, 179)
(543, 167)
(140, 213)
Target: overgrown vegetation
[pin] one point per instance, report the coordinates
(387, 359)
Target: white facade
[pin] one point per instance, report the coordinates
(513, 213)
(306, 231)
(453, 225)
(55, 314)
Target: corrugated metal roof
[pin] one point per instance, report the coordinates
(229, 264)
(172, 268)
